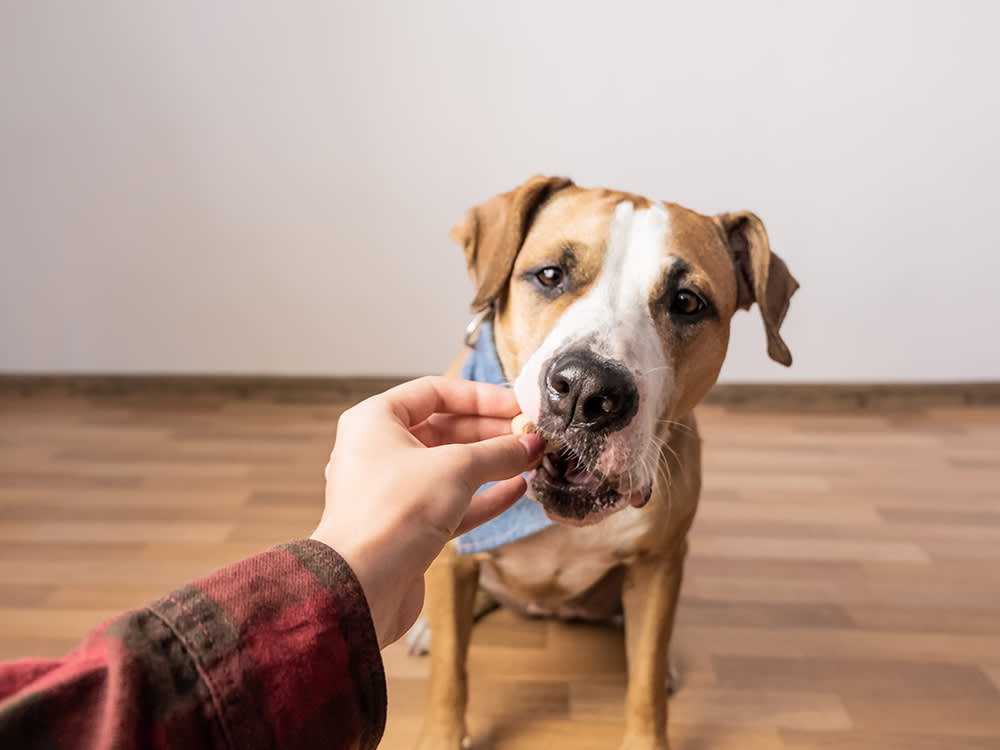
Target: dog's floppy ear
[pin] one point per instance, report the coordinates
(761, 277)
(492, 234)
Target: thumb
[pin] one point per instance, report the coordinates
(491, 502)
(501, 457)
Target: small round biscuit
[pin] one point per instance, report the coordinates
(521, 425)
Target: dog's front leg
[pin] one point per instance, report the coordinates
(652, 586)
(452, 582)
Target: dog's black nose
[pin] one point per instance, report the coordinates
(582, 390)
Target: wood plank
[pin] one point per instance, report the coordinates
(862, 678)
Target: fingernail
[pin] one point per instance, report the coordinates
(532, 443)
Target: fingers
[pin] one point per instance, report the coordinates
(491, 502)
(441, 429)
(497, 458)
(415, 401)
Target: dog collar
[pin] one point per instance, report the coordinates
(525, 517)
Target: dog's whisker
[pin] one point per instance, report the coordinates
(650, 371)
(661, 446)
(674, 454)
(675, 423)
(663, 468)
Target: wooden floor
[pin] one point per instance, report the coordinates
(843, 588)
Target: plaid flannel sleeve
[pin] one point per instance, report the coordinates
(276, 651)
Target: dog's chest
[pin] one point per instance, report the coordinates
(565, 571)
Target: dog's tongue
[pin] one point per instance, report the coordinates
(577, 475)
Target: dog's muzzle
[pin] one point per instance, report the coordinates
(585, 399)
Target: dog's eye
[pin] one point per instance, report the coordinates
(550, 276)
(687, 303)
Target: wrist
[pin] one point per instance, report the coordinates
(364, 571)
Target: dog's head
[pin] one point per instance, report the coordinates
(611, 319)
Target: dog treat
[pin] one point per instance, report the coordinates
(521, 425)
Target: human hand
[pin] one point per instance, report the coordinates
(400, 484)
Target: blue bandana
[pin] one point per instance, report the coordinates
(524, 517)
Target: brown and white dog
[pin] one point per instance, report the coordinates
(611, 319)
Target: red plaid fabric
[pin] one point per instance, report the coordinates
(277, 651)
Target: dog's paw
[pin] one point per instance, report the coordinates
(418, 640)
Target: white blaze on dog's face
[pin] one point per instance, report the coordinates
(612, 319)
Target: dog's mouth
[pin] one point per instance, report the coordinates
(571, 492)
(563, 469)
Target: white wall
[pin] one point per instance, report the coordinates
(249, 187)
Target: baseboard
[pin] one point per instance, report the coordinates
(241, 387)
(783, 397)
(853, 396)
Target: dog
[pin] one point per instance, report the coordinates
(609, 314)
